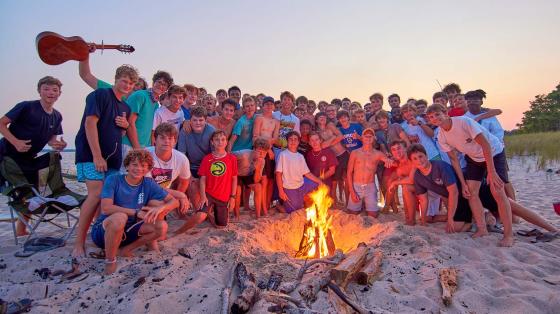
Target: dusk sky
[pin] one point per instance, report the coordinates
(320, 49)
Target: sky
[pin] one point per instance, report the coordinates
(320, 49)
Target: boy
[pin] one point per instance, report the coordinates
(288, 121)
(195, 145)
(143, 105)
(191, 98)
(293, 178)
(225, 120)
(132, 211)
(305, 128)
(266, 127)
(362, 167)
(98, 144)
(351, 131)
(394, 101)
(171, 113)
(218, 179)
(171, 168)
(321, 161)
(401, 174)
(485, 155)
(32, 125)
(242, 135)
(250, 168)
(438, 177)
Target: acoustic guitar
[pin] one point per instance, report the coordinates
(55, 49)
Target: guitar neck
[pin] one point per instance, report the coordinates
(103, 46)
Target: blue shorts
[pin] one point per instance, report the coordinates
(367, 194)
(131, 233)
(295, 196)
(86, 171)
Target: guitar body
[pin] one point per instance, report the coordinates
(55, 49)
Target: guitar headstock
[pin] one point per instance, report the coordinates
(126, 48)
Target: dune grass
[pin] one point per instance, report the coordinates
(545, 146)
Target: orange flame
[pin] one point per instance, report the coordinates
(318, 224)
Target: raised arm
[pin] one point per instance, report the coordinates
(86, 75)
(488, 114)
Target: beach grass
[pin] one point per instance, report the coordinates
(545, 146)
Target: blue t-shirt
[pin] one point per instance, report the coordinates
(244, 130)
(186, 113)
(125, 195)
(349, 142)
(29, 121)
(103, 104)
(195, 146)
(440, 177)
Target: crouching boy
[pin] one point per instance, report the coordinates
(132, 210)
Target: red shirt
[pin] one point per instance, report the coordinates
(456, 112)
(320, 162)
(218, 173)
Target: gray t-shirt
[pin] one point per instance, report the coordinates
(195, 146)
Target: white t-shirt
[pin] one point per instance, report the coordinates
(293, 167)
(163, 114)
(461, 137)
(165, 172)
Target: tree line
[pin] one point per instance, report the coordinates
(543, 115)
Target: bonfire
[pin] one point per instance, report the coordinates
(317, 240)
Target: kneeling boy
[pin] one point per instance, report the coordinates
(132, 210)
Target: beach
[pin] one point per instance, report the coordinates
(491, 279)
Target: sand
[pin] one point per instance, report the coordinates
(522, 279)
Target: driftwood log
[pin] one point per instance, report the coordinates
(370, 270)
(343, 272)
(340, 307)
(333, 260)
(353, 304)
(310, 289)
(249, 290)
(227, 291)
(448, 281)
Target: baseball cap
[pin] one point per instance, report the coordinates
(267, 99)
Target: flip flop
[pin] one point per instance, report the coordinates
(530, 233)
(21, 306)
(546, 237)
(97, 255)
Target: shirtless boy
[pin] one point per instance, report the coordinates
(266, 127)
(361, 175)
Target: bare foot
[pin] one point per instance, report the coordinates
(480, 233)
(152, 246)
(506, 242)
(125, 253)
(110, 267)
(78, 252)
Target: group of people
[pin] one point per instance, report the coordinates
(145, 153)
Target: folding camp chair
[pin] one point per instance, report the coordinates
(43, 193)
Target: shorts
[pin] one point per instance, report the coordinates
(367, 194)
(269, 168)
(221, 213)
(476, 171)
(340, 171)
(433, 204)
(464, 213)
(86, 171)
(296, 196)
(131, 232)
(246, 180)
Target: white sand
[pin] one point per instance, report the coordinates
(491, 279)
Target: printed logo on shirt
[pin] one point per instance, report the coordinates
(218, 168)
(323, 158)
(438, 181)
(141, 198)
(162, 176)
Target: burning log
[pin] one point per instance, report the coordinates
(343, 273)
(448, 281)
(249, 290)
(370, 270)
